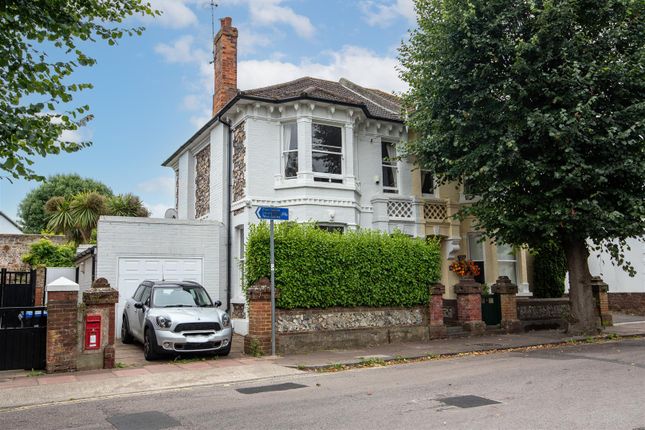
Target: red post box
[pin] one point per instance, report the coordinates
(93, 332)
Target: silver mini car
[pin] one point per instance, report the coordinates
(175, 317)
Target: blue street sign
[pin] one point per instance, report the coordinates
(266, 212)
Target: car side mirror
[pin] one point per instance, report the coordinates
(217, 303)
(138, 305)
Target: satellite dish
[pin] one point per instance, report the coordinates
(171, 213)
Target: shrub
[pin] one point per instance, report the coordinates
(318, 269)
(44, 253)
(549, 271)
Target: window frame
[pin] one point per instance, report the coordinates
(514, 261)
(434, 183)
(284, 149)
(394, 165)
(474, 239)
(324, 176)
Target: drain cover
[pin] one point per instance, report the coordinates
(467, 401)
(267, 388)
(152, 420)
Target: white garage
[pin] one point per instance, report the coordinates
(134, 270)
(131, 250)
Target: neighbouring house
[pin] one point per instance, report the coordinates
(626, 293)
(330, 152)
(8, 226)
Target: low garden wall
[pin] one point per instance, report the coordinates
(631, 303)
(542, 313)
(304, 330)
(14, 246)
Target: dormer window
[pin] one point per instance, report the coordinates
(327, 151)
(290, 150)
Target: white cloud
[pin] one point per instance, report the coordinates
(162, 186)
(383, 14)
(272, 12)
(350, 62)
(157, 210)
(174, 13)
(182, 51)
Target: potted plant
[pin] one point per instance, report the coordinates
(464, 268)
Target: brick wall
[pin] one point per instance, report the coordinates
(225, 64)
(633, 303)
(14, 246)
(62, 331)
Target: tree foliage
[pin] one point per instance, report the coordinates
(40, 48)
(44, 253)
(318, 269)
(78, 216)
(31, 210)
(539, 105)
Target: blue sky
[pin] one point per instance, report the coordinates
(152, 92)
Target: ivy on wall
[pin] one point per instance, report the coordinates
(318, 269)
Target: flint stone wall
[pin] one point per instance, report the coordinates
(303, 330)
(14, 246)
(202, 182)
(543, 313)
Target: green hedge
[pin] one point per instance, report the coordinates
(318, 269)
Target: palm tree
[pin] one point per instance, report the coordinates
(86, 208)
(60, 218)
(126, 205)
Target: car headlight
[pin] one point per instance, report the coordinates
(164, 322)
(226, 320)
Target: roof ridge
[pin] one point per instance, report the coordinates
(346, 83)
(282, 84)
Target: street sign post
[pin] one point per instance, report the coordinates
(280, 214)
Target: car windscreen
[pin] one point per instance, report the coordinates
(167, 297)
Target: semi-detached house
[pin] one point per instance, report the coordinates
(326, 150)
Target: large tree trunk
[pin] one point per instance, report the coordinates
(583, 310)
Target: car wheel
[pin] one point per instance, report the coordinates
(150, 345)
(225, 351)
(126, 337)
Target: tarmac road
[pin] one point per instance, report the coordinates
(594, 386)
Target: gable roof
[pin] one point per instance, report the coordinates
(2, 214)
(374, 103)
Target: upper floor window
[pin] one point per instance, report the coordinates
(290, 150)
(427, 182)
(327, 149)
(389, 167)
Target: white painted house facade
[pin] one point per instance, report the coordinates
(326, 150)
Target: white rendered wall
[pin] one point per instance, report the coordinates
(617, 279)
(149, 237)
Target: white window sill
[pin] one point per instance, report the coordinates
(284, 184)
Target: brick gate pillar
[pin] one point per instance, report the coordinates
(258, 341)
(435, 311)
(62, 325)
(100, 300)
(39, 284)
(600, 288)
(508, 302)
(469, 305)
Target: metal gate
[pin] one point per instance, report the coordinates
(491, 309)
(17, 288)
(23, 327)
(23, 336)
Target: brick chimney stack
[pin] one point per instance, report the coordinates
(225, 64)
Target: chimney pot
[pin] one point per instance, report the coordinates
(226, 22)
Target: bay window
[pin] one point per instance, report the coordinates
(326, 151)
(290, 150)
(389, 167)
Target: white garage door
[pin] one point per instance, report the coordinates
(133, 271)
